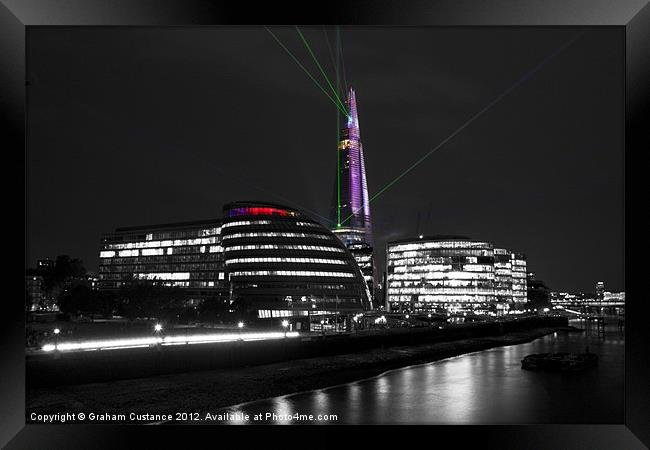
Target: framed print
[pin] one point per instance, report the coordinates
(202, 249)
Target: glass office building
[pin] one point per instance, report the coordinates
(363, 254)
(519, 274)
(503, 279)
(440, 274)
(186, 255)
(282, 264)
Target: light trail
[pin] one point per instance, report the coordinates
(500, 97)
(321, 69)
(306, 71)
(122, 344)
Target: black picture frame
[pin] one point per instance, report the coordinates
(16, 16)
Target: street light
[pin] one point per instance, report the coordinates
(56, 338)
(157, 330)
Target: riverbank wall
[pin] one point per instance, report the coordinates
(52, 369)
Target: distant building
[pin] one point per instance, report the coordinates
(613, 298)
(35, 292)
(45, 264)
(282, 264)
(582, 299)
(537, 292)
(570, 300)
(90, 281)
(600, 291)
(187, 255)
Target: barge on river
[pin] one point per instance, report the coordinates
(560, 362)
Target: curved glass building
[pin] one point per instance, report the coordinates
(282, 264)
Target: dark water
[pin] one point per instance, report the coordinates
(487, 387)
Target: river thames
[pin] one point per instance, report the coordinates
(487, 387)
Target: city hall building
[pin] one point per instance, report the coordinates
(452, 274)
(186, 255)
(282, 264)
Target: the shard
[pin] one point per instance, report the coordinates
(351, 209)
(351, 205)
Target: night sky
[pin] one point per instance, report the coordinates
(133, 126)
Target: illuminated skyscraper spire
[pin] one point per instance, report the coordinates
(351, 212)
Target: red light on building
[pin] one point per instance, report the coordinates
(260, 211)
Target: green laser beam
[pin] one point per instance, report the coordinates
(471, 119)
(305, 70)
(338, 156)
(338, 34)
(321, 69)
(334, 64)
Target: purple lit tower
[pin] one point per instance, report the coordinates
(351, 206)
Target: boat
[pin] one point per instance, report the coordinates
(560, 362)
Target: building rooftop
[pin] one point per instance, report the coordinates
(169, 225)
(435, 237)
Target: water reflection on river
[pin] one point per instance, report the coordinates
(487, 387)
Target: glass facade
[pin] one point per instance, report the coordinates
(351, 211)
(452, 274)
(440, 274)
(503, 278)
(283, 264)
(519, 282)
(363, 255)
(187, 255)
(351, 205)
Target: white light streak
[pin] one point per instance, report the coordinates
(118, 344)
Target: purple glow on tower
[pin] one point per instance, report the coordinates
(354, 214)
